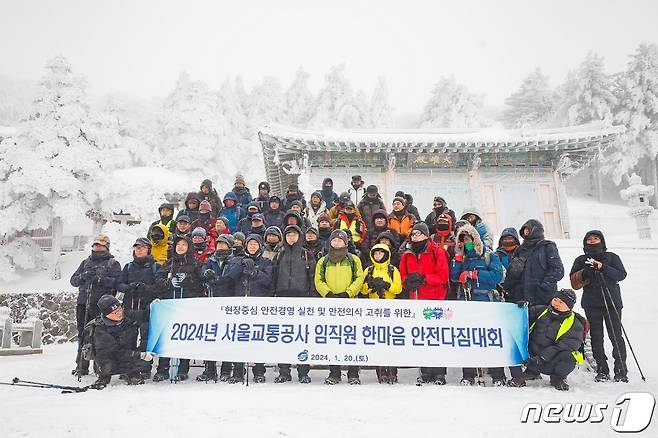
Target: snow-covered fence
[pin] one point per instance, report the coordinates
(56, 311)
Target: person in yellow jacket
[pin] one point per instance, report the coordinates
(339, 275)
(382, 280)
(159, 237)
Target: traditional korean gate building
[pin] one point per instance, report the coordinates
(511, 176)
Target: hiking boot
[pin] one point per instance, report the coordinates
(206, 376)
(181, 377)
(425, 378)
(134, 380)
(101, 382)
(333, 379)
(498, 381)
(224, 377)
(283, 377)
(602, 377)
(353, 380)
(516, 382)
(468, 381)
(392, 375)
(238, 376)
(621, 378)
(559, 383)
(145, 375)
(529, 374)
(161, 375)
(304, 378)
(123, 377)
(440, 380)
(259, 378)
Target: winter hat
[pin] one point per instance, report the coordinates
(356, 178)
(264, 185)
(568, 296)
(343, 197)
(257, 238)
(422, 227)
(108, 304)
(102, 239)
(184, 218)
(590, 249)
(348, 204)
(142, 241)
(313, 230)
(223, 219)
(401, 199)
(293, 229)
(258, 217)
(274, 198)
(230, 196)
(379, 213)
(317, 194)
(298, 203)
(207, 183)
(340, 234)
(399, 193)
(199, 231)
(239, 179)
(239, 236)
(166, 205)
(252, 205)
(205, 207)
(226, 238)
(274, 230)
(293, 186)
(324, 217)
(371, 189)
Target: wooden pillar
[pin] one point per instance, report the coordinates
(563, 210)
(389, 179)
(57, 226)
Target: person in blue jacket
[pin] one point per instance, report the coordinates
(478, 270)
(274, 213)
(232, 211)
(252, 277)
(507, 244)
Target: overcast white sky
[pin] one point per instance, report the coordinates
(139, 47)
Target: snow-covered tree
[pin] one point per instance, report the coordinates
(189, 132)
(637, 109)
(299, 100)
(335, 105)
(452, 106)
(53, 168)
(586, 96)
(531, 105)
(267, 104)
(381, 113)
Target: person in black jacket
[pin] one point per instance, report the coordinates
(556, 337)
(274, 213)
(252, 277)
(96, 276)
(215, 271)
(587, 271)
(534, 268)
(294, 269)
(191, 209)
(439, 207)
(180, 277)
(136, 287)
(111, 340)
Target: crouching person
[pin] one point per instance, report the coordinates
(294, 268)
(252, 277)
(111, 341)
(382, 280)
(339, 275)
(556, 339)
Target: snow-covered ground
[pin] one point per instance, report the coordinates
(196, 409)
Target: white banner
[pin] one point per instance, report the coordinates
(340, 331)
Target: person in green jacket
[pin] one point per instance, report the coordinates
(339, 274)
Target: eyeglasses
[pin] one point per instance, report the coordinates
(416, 234)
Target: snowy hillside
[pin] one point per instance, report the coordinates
(196, 409)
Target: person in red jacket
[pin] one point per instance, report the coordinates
(425, 276)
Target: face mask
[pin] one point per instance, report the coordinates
(509, 248)
(469, 246)
(443, 226)
(223, 252)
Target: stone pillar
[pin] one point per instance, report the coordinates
(637, 195)
(389, 178)
(57, 227)
(563, 210)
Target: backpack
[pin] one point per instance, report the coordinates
(154, 267)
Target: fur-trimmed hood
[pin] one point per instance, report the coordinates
(473, 233)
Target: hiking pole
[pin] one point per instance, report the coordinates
(466, 289)
(604, 287)
(65, 389)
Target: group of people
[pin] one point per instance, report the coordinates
(346, 245)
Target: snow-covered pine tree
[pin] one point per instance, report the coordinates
(637, 109)
(189, 132)
(299, 100)
(587, 95)
(51, 170)
(381, 113)
(532, 104)
(452, 106)
(335, 106)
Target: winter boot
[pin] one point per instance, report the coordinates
(529, 374)
(602, 377)
(382, 374)
(559, 383)
(225, 371)
(621, 378)
(440, 380)
(333, 379)
(181, 377)
(210, 373)
(161, 375)
(134, 380)
(353, 380)
(468, 381)
(498, 381)
(145, 375)
(101, 382)
(516, 382)
(283, 377)
(304, 378)
(424, 378)
(238, 375)
(392, 375)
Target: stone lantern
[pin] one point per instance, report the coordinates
(637, 195)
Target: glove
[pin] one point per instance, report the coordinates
(87, 275)
(468, 275)
(209, 274)
(147, 356)
(175, 281)
(337, 295)
(248, 266)
(534, 363)
(459, 252)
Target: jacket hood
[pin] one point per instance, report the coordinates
(470, 210)
(380, 213)
(274, 230)
(300, 241)
(536, 229)
(595, 233)
(230, 196)
(190, 196)
(188, 239)
(324, 182)
(165, 232)
(475, 236)
(292, 213)
(390, 236)
(254, 204)
(381, 247)
(166, 205)
(511, 231)
(261, 244)
(207, 183)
